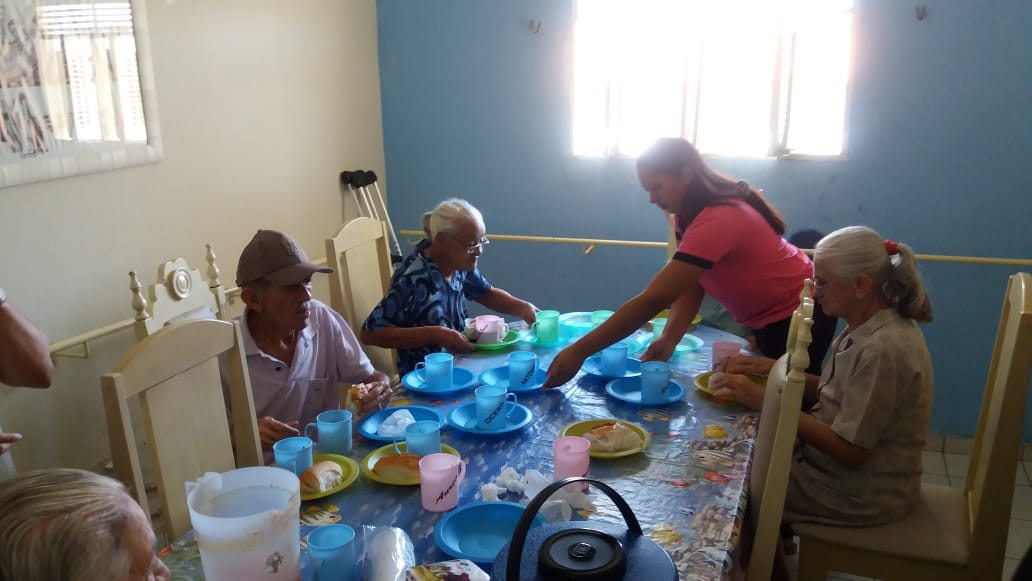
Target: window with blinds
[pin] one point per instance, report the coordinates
(742, 78)
(90, 48)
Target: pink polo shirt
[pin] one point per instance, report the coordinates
(751, 270)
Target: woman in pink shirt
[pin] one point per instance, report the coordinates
(731, 247)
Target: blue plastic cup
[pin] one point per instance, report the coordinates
(491, 401)
(614, 359)
(331, 553)
(546, 326)
(655, 379)
(657, 327)
(435, 370)
(599, 317)
(422, 438)
(333, 428)
(522, 369)
(293, 453)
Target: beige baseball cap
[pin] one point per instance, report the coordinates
(275, 257)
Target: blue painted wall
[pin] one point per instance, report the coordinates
(940, 136)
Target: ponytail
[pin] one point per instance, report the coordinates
(857, 250)
(904, 288)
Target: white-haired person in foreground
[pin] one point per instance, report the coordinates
(424, 310)
(74, 525)
(858, 460)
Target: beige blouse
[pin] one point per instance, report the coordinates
(876, 393)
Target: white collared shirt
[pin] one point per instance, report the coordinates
(327, 354)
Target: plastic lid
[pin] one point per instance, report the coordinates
(582, 554)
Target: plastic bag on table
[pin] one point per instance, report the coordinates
(388, 553)
(395, 424)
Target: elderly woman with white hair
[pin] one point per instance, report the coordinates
(858, 459)
(74, 525)
(424, 310)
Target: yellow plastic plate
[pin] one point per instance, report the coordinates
(580, 428)
(348, 468)
(370, 460)
(702, 381)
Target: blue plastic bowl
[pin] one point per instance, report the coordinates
(479, 530)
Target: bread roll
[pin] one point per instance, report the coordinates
(398, 467)
(362, 398)
(321, 477)
(613, 437)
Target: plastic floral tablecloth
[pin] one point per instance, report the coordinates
(688, 489)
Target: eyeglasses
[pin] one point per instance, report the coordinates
(820, 283)
(471, 248)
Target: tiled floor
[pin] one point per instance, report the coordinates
(949, 469)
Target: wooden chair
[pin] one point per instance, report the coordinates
(175, 374)
(361, 265)
(177, 294)
(775, 440)
(953, 533)
(803, 311)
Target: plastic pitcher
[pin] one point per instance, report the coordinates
(246, 523)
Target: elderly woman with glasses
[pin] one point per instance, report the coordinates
(74, 525)
(858, 460)
(424, 310)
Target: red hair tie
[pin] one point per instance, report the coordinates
(891, 248)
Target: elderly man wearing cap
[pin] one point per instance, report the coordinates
(298, 349)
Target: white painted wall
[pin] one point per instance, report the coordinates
(261, 104)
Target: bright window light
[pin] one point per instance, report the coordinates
(744, 78)
(89, 47)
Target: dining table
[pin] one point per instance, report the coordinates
(688, 488)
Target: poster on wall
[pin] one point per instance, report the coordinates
(76, 94)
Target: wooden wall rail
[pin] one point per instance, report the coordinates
(62, 348)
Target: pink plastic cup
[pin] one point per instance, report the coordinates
(439, 478)
(572, 457)
(490, 328)
(722, 350)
